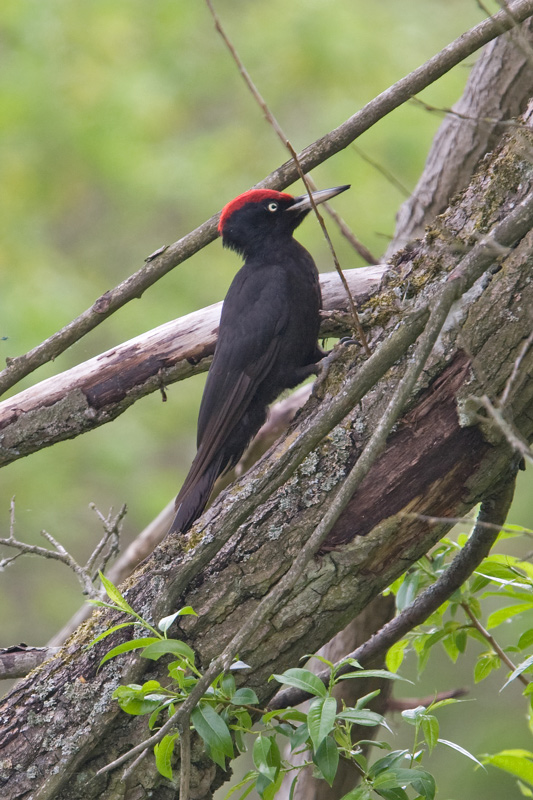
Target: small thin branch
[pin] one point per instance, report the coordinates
(185, 757)
(308, 183)
(492, 513)
(387, 174)
(489, 526)
(505, 428)
(514, 373)
(111, 539)
(492, 121)
(492, 641)
(83, 574)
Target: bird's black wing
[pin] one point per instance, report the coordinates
(254, 316)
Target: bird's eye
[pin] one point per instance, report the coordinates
(272, 207)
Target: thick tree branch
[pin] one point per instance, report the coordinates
(169, 257)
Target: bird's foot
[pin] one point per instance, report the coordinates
(325, 364)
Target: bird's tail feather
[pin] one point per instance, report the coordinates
(193, 498)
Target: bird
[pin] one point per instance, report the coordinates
(268, 335)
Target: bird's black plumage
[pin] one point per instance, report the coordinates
(267, 339)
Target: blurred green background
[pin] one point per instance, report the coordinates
(123, 125)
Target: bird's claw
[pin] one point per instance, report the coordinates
(325, 364)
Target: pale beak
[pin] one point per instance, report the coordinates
(303, 203)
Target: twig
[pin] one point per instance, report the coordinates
(514, 373)
(83, 574)
(492, 121)
(463, 521)
(506, 429)
(387, 174)
(492, 641)
(308, 183)
(492, 513)
(185, 757)
(313, 155)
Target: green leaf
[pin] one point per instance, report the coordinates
(395, 655)
(262, 755)
(393, 793)
(525, 791)
(517, 762)
(362, 717)
(162, 647)
(484, 666)
(165, 623)
(413, 715)
(109, 631)
(326, 759)
(244, 697)
(228, 684)
(396, 778)
(163, 752)
(503, 614)
(214, 732)
(359, 793)
(250, 776)
(126, 647)
(365, 699)
(302, 679)
(386, 762)
(424, 784)
(450, 646)
(430, 729)
(407, 591)
(300, 736)
(373, 673)
(518, 671)
(114, 594)
(239, 665)
(321, 719)
(461, 750)
(526, 639)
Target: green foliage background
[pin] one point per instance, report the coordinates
(123, 125)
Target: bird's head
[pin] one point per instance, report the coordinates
(259, 215)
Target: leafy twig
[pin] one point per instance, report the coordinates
(489, 523)
(502, 655)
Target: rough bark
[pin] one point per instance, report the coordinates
(60, 725)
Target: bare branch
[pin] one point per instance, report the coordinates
(97, 560)
(169, 257)
(19, 660)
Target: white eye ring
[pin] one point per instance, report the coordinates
(272, 207)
